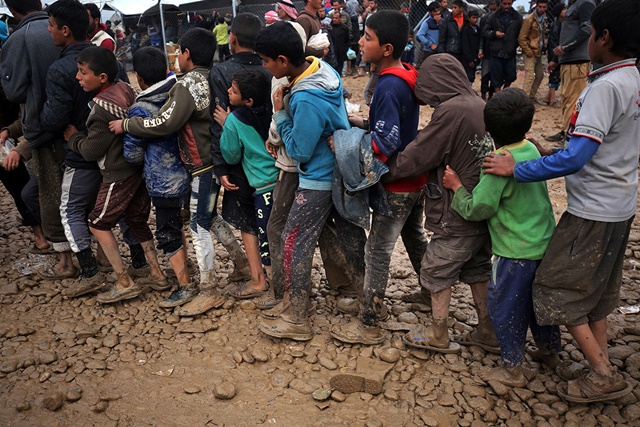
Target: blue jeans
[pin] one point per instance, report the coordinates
(510, 307)
(202, 204)
(407, 220)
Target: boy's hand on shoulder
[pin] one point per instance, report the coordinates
(116, 127)
(499, 164)
(220, 115)
(451, 180)
(12, 161)
(69, 131)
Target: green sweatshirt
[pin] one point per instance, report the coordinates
(242, 143)
(519, 215)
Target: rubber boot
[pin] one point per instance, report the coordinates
(224, 234)
(88, 263)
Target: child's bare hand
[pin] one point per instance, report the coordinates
(70, 130)
(220, 115)
(224, 180)
(271, 149)
(330, 141)
(278, 99)
(499, 164)
(543, 151)
(116, 127)
(451, 180)
(12, 161)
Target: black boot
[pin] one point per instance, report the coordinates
(88, 263)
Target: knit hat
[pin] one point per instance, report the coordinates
(288, 8)
(271, 16)
(557, 9)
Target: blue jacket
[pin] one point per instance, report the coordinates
(356, 179)
(428, 34)
(164, 172)
(316, 106)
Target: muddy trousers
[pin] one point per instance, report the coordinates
(406, 220)
(510, 307)
(202, 204)
(534, 72)
(347, 280)
(47, 165)
(15, 181)
(310, 211)
(79, 190)
(573, 80)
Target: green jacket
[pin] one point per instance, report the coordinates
(519, 215)
(242, 143)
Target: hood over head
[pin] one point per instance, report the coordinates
(324, 83)
(440, 79)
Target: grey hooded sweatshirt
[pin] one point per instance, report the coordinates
(455, 136)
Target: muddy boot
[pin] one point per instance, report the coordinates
(90, 279)
(352, 307)
(224, 234)
(207, 299)
(280, 328)
(512, 376)
(180, 296)
(356, 332)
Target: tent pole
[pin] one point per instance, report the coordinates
(164, 39)
(233, 7)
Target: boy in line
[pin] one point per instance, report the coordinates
(165, 176)
(238, 208)
(471, 37)
(122, 192)
(188, 112)
(316, 110)
(578, 281)
(520, 220)
(459, 250)
(429, 32)
(394, 115)
(245, 131)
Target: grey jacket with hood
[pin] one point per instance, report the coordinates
(26, 57)
(455, 136)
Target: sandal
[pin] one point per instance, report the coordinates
(583, 390)
(416, 339)
(115, 294)
(570, 370)
(244, 291)
(41, 251)
(355, 332)
(50, 273)
(467, 340)
(265, 302)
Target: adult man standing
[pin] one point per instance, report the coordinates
(532, 41)
(26, 58)
(309, 21)
(97, 35)
(502, 31)
(573, 57)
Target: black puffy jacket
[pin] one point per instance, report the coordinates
(450, 40)
(506, 46)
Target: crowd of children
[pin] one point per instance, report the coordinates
(270, 126)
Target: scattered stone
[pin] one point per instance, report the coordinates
(9, 366)
(260, 355)
(422, 355)
(110, 341)
(224, 391)
(110, 396)
(23, 406)
(338, 396)
(9, 289)
(374, 422)
(306, 386)
(45, 376)
(53, 401)
(321, 395)
(74, 394)
(192, 390)
(631, 412)
(327, 363)
(390, 355)
(101, 406)
(397, 326)
(47, 357)
(498, 388)
(247, 305)
(281, 379)
(543, 410)
(408, 317)
(391, 395)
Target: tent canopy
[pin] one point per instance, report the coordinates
(138, 7)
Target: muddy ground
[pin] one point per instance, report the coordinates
(77, 363)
